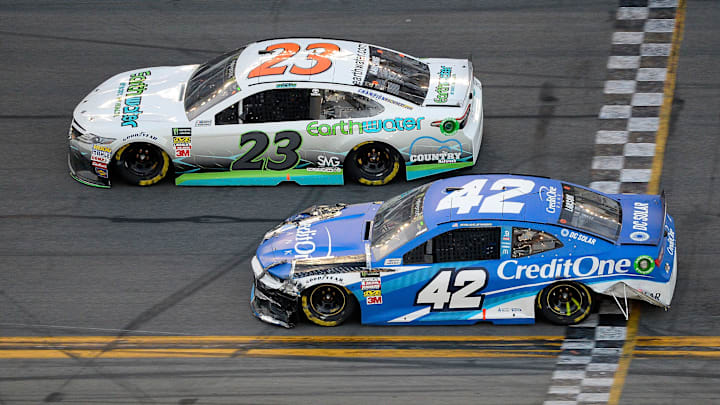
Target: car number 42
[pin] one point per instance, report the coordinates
(470, 195)
(454, 290)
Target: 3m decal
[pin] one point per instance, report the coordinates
(374, 300)
(289, 49)
(469, 196)
(454, 290)
(182, 146)
(286, 145)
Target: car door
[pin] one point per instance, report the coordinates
(260, 133)
(441, 279)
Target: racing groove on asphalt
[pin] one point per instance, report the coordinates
(167, 260)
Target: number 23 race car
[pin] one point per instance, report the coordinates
(496, 248)
(306, 110)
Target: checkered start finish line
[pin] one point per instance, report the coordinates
(629, 120)
(625, 147)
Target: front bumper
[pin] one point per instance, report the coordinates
(82, 170)
(269, 303)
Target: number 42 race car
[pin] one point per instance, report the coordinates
(462, 250)
(307, 110)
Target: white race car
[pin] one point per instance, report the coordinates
(307, 110)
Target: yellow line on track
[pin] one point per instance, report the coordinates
(668, 95)
(268, 339)
(653, 188)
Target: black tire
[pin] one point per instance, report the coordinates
(328, 304)
(565, 302)
(142, 164)
(373, 163)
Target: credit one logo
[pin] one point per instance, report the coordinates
(586, 266)
(550, 196)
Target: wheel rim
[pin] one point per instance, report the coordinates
(566, 300)
(143, 161)
(327, 300)
(374, 161)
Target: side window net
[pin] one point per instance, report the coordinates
(457, 246)
(228, 116)
(528, 242)
(277, 105)
(342, 105)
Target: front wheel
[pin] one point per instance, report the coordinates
(142, 164)
(328, 304)
(565, 302)
(373, 163)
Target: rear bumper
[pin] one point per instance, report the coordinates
(82, 169)
(652, 292)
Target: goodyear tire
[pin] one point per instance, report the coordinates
(328, 304)
(142, 164)
(565, 302)
(373, 163)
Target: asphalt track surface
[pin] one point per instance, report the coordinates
(174, 261)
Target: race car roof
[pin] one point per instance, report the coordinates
(303, 59)
(493, 197)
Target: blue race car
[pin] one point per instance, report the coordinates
(495, 248)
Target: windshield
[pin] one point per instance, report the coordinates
(590, 211)
(397, 74)
(211, 83)
(398, 221)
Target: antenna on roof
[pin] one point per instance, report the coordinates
(264, 52)
(449, 189)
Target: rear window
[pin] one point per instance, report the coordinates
(590, 211)
(397, 74)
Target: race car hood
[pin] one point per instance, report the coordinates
(642, 219)
(135, 98)
(450, 81)
(335, 233)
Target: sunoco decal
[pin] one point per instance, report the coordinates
(136, 87)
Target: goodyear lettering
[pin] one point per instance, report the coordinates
(587, 266)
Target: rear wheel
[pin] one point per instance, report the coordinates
(373, 163)
(328, 304)
(565, 302)
(142, 164)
